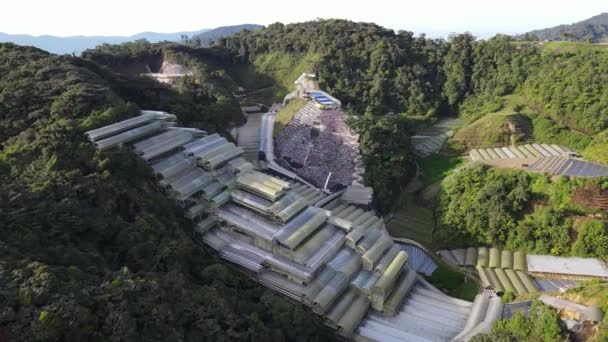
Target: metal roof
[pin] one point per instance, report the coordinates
(587, 313)
(567, 265)
(358, 194)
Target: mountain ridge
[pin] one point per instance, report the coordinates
(594, 29)
(209, 37)
(78, 43)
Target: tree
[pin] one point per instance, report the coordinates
(484, 204)
(592, 240)
(458, 68)
(541, 324)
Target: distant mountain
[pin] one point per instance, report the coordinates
(594, 29)
(77, 44)
(209, 37)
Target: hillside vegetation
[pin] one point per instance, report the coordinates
(371, 70)
(530, 212)
(375, 71)
(269, 77)
(210, 90)
(90, 250)
(209, 37)
(594, 29)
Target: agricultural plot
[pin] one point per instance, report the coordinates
(412, 222)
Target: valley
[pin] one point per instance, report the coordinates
(303, 182)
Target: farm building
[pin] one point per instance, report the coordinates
(542, 158)
(326, 252)
(323, 100)
(499, 270)
(548, 266)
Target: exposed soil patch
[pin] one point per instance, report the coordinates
(593, 196)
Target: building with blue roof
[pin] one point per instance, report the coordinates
(324, 100)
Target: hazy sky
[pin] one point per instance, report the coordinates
(436, 17)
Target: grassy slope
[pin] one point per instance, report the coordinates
(564, 46)
(411, 221)
(436, 167)
(453, 283)
(270, 76)
(286, 114)
(598, 148)
(547, 131)
(483, 132)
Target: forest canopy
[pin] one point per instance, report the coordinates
(90, 250)
(376, 72)
(386, 78)
(122, 264)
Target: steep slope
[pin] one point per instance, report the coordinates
(369, 68)
(90, 250)
(594, 29)
(210, 90)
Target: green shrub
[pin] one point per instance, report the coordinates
(592, 240)
(474, 107)
(547, 131)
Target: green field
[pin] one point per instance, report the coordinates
(270, 76)
(454, 283)
(436, 167)
(411, 221)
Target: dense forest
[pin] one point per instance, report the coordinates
(522, 211)
(377, 72)
(391, 83)
(90, 250)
